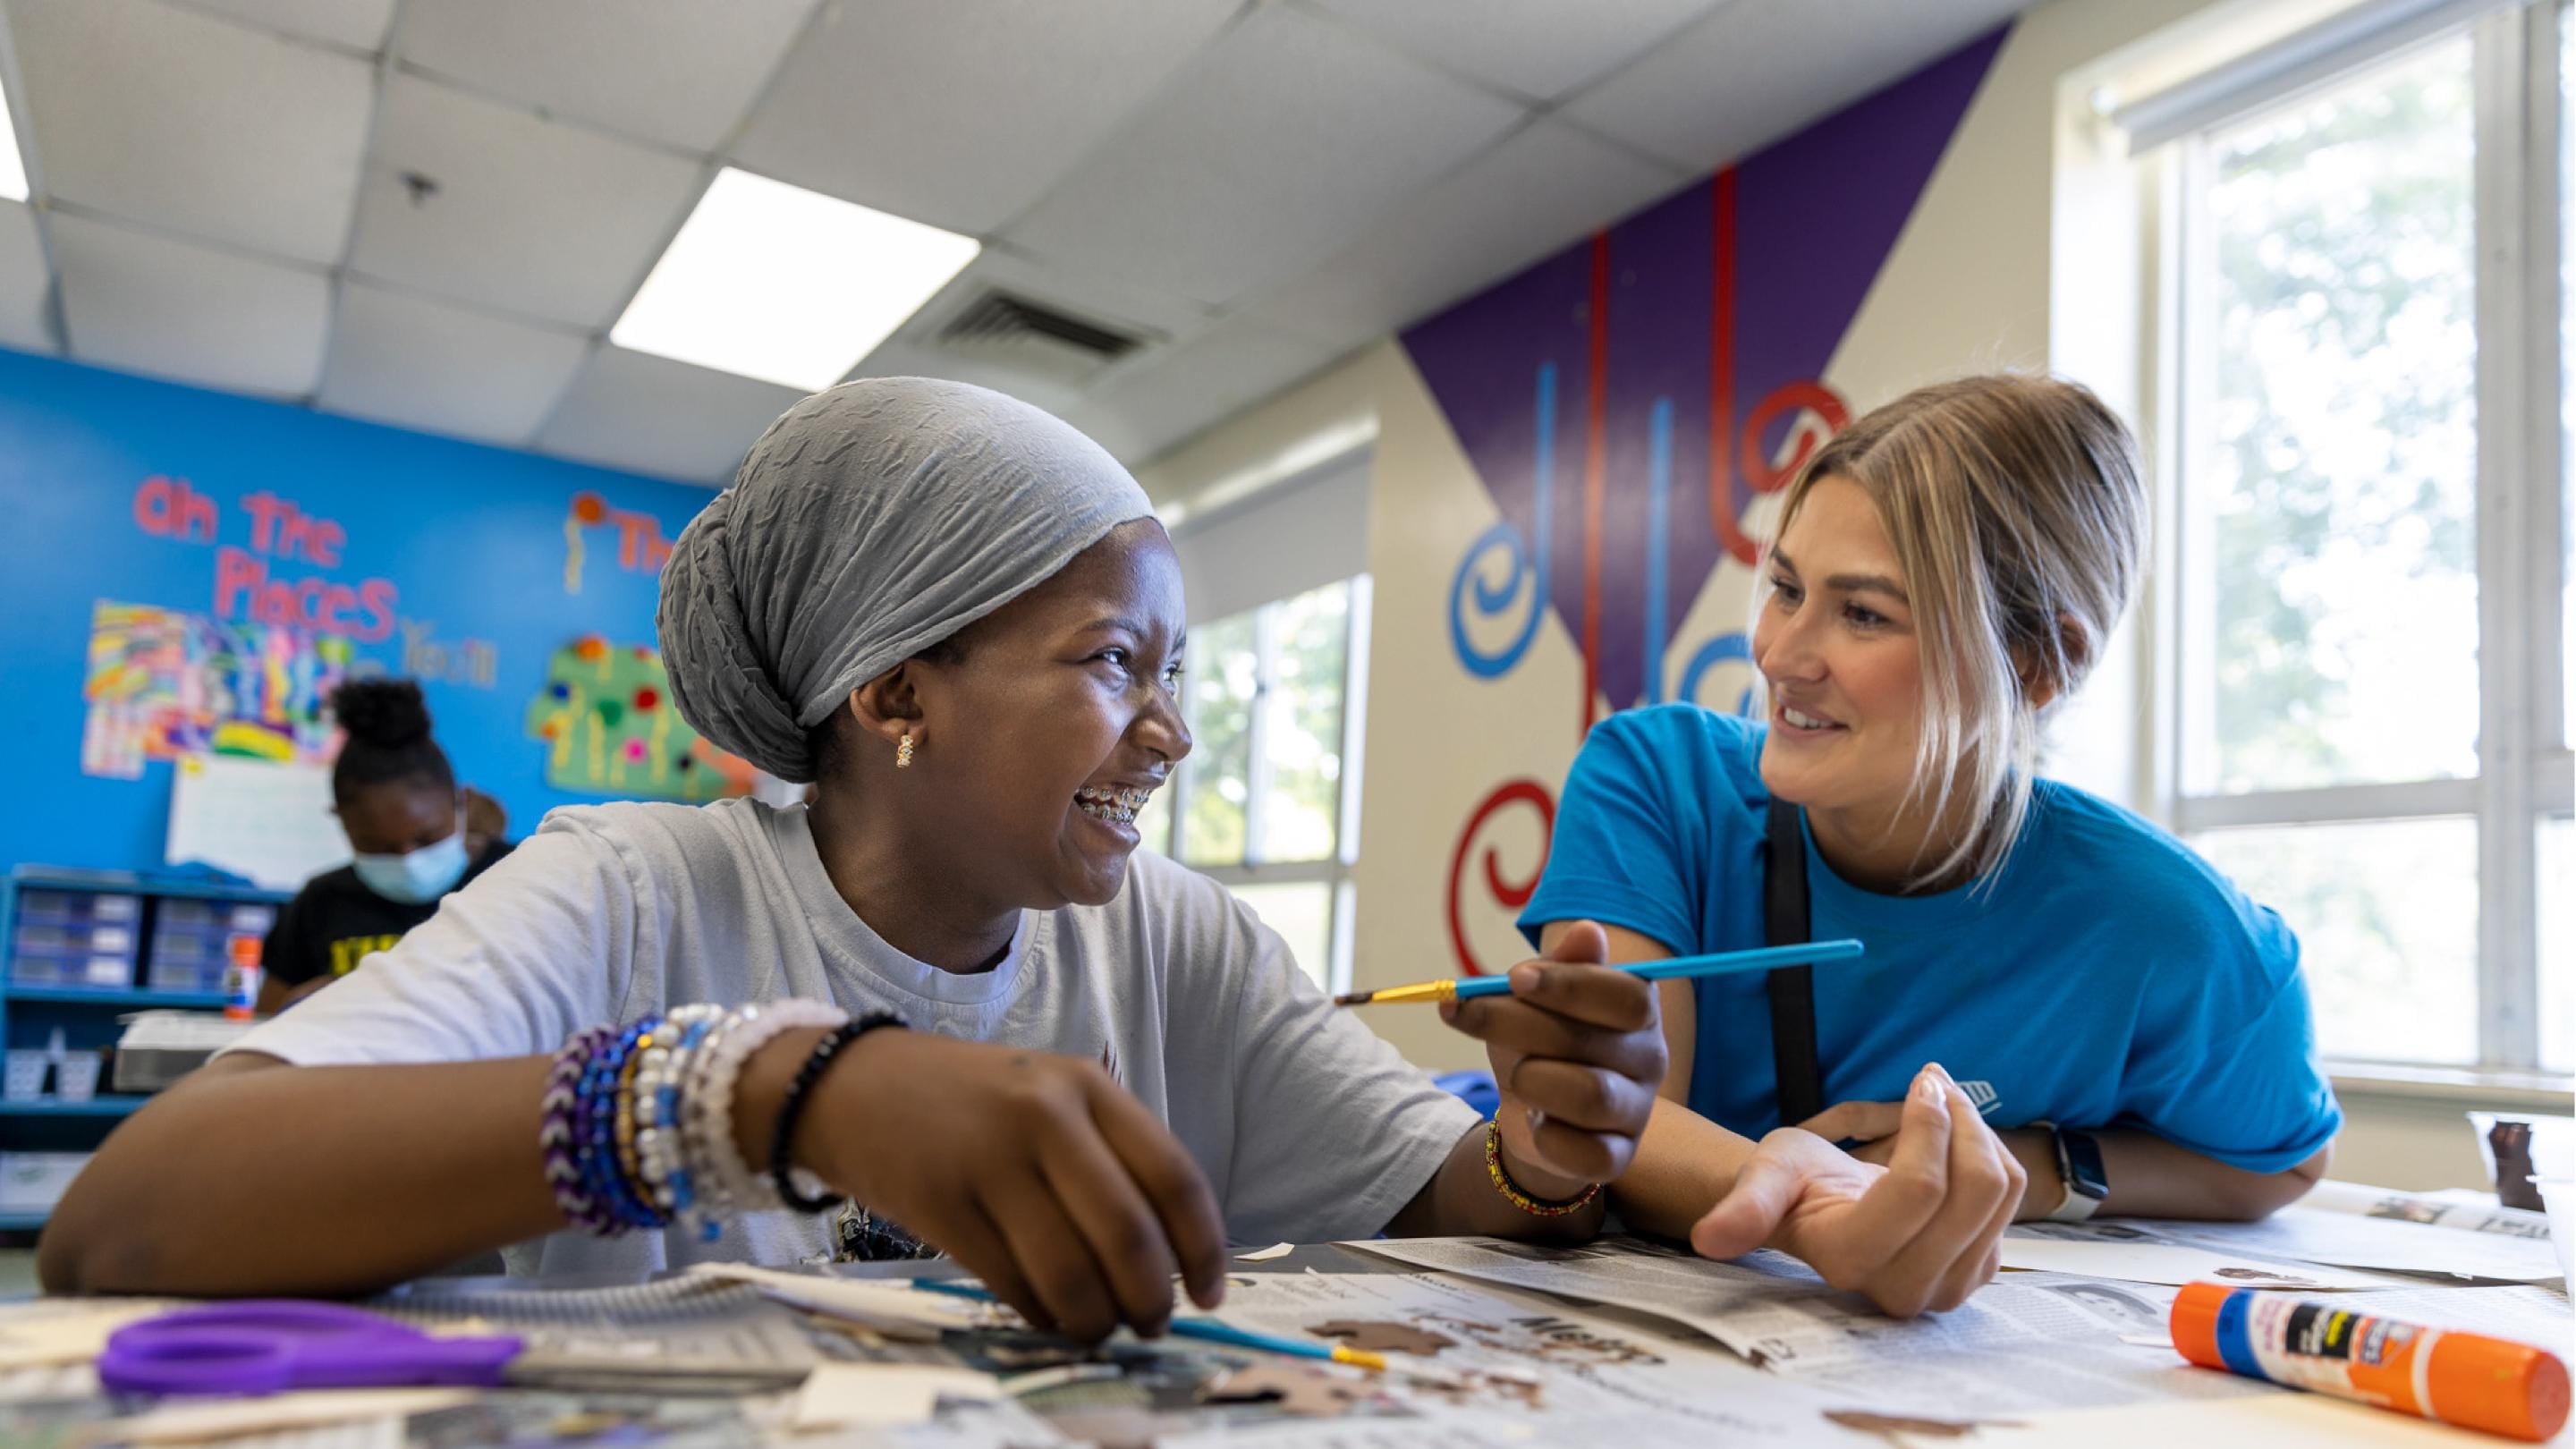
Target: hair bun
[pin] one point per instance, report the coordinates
(389, 713)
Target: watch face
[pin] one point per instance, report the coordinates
(2084, 1165)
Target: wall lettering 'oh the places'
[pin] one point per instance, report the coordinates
(259, 577)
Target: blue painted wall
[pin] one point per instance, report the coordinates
(471, 537)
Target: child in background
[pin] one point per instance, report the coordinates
(413, 831)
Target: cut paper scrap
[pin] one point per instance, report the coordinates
(606, 718)
(162, 684)
(51, 1332)
(1384, 1336)
(1296, 1388)
(875, 1395)
(1268, 1254)
(892, 1308)
(181, 1422)
(1903, 1432)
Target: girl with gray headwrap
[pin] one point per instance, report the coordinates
(1079, 1069)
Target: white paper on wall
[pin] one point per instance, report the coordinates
(271, 823)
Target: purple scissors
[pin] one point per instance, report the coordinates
(262, 1346)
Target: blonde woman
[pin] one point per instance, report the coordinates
(2134, 1028)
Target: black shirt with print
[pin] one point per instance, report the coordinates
(335, 921)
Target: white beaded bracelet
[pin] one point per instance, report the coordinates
(707, 1115)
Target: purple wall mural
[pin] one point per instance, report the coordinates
(1626, 400)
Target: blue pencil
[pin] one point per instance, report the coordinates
(1721, 964)
(1208, 1329)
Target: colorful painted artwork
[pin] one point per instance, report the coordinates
(606, 717)
(165, 683)
(1630, 403)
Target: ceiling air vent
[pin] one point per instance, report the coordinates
(1033, 338)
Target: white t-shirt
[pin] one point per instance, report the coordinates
(1307, 1124)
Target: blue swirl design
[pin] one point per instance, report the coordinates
(1723, 648)
(1493, 598)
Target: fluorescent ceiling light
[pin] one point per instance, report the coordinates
(786, 285)
(13, 167)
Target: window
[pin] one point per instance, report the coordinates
(2369, 712)
(1267, 801)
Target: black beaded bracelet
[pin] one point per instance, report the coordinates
(793, 1106)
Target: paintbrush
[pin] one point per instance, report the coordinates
(1209, 1330)
(1672, 967)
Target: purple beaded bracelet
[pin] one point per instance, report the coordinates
(559, 1136)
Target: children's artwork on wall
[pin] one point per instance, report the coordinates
(166, 684)
(641, 548)
(606, 717)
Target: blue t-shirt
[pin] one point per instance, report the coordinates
(2107, 977)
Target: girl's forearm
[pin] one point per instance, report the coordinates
(1684, 1164)
(258, 1177)
(2150, 1177)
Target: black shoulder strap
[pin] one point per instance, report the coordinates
(1793, 988)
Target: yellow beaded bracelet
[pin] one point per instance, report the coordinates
(1511, 1190)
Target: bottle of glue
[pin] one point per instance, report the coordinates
(2467, 1379)
(241, 980)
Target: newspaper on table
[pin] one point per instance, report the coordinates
(2034, 1341)
(2474, 1243)
(2077, 1249)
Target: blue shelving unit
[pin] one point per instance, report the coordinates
(87, 1014)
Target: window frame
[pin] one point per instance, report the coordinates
(2524, 769)
(1337, 868)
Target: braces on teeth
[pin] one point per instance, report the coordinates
(1119, 806)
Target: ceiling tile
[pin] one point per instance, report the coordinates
(905, 359)
(25, 281)
(1165, 400)
(442, 369)
(1540, 48)
(1758, 70)
(962, 113)
(652, 415)
(357, 24)
(1544, 188)
(529, 216)
(679, 72)
(194, 124)
(1285, 140)
(170, 309)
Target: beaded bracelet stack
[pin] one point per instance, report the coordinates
(637, 1128)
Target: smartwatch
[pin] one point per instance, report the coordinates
(2079, 1166)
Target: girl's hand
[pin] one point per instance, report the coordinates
(1037, 1172)
(1578, 1051)
(1870, 1126)
(1917, 1234)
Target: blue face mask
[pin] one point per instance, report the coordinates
(420, 877)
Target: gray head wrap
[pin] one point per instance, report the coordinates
(870, 522)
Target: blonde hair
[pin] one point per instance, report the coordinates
(2018, 518)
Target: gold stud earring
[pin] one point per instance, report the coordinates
(903, 752)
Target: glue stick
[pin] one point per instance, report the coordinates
(2467, 1379)
(241, 979)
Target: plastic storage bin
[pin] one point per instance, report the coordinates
(25, 1080)
(32, 1182)
(160, 1047)
(73, 952)
(58, 907)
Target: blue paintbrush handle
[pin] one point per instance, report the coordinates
(1721, 964)
(1210, 1329)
